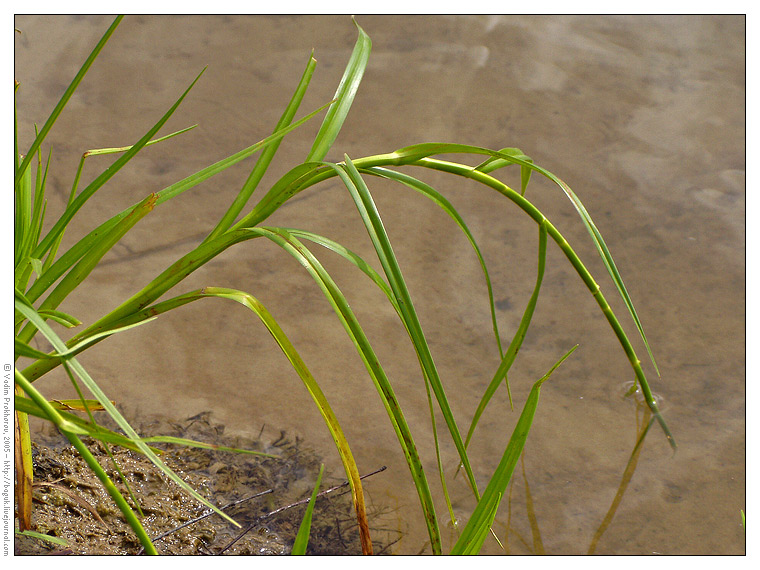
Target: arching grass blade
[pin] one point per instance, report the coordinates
(75, 253)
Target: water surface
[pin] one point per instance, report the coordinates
(642, 116)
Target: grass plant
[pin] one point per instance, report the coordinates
(44, 277)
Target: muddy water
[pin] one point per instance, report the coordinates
(642, 116)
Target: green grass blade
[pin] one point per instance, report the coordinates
(283, 342)
(65, 99)
(72, 432)
(75, 348)
(609, 263)
(442, 202)
(47, 409)
(27, 406)
(342, 309)
(373, 223)
(28, 224)
(75, 424)
(53, 251)
(262, 164)
(203, 445)
(192, 261)
(69, 321)
(350, 256)
(344, 96)
(130, 310)
(89, 261)
(474, 533)
(43, 537)
(411, 155)
(20, 348)
(38, 211)
(341, 443)
(494, 163)
(418, 155)
(76, 252)
(84, 376)
(415, 153)
(378, 280)
(116, 150)
(302, 538)
(106, 175)
(282, 190)
(517, 340)
(23, 216)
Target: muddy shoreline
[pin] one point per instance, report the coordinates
(70, 503)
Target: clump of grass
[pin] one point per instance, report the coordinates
(44, 278)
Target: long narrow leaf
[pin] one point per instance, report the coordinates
(100, 180)
(23, 205)
(267, 155)
(299, 366)
(82, 246)
(345, 94)
(415, 155)
(24, 349)
(89, 261)
(302, 538)
(96, 391)
(422, 151)
(65, 427)
(442, 202)
(373, 223)
(473, 535)
(371, 362)
(517, 340)
(352, 472)
(124, 314)
(74, 423)
(65, 98)
(53, 251)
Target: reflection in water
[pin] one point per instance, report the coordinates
(644, 420)
(538, 545)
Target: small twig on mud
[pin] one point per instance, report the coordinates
(206, 514)
(74, 497)
(297, 503)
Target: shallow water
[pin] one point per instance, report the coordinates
(642, 116)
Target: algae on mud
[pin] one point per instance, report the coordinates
(72, 505)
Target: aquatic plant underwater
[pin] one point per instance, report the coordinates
(44, 277)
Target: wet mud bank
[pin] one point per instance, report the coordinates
(265, 495)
